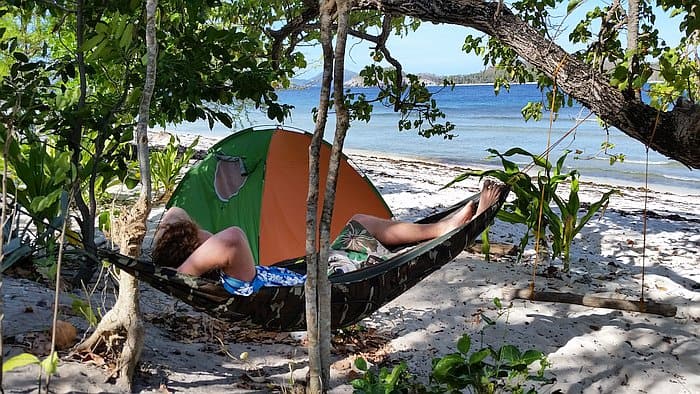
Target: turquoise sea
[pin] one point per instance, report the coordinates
(483, 120)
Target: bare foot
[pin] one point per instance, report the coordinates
(490, 193)
(458, 218)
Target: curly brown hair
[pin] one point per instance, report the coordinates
(174, 243)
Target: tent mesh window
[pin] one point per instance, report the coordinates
(229, 177)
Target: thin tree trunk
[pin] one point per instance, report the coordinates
(9, 135)
(131, 230)
(87, 216)
(315, 381)
(341, 128)
(632, 38)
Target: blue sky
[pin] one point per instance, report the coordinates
(437, 49)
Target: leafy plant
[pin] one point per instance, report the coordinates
(41, 176)
(49, 365)
(399, 380)
(488, 369)
(15, 241)
(535, 200)
(167, 164)
(84, 308)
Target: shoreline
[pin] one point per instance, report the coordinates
(597, 180)
(206, 141)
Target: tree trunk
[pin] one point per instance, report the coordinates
(341, 128)
(9, 135)
(130, 231)
(632, 38)
(315, 378)
(123, 320)
(675, 134)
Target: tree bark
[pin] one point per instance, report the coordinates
(342, 124)
(123, 319)
(632, 38)
(313, 329)
(675, 134)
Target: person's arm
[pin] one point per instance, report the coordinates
(227, 250)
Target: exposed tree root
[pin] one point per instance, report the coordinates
(124, 318)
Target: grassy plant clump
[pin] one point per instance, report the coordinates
(167, 165)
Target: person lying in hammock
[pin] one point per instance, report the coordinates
(180, 243)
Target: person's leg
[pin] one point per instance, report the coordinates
(228, 251)
(390, 232)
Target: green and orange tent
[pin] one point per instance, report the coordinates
(257, 179)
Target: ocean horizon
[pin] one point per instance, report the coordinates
(484, 121)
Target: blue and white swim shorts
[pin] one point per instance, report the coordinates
(264, 277)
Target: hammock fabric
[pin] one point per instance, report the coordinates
(354, 295)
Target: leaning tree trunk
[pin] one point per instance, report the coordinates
(677, 134)
(316, 383)
(124, 317)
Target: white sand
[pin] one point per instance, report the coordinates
(591, 350)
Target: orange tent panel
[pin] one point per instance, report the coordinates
(283, 221)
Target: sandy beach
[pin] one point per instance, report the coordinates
(591, 350)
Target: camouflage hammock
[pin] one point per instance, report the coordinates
(354, 295)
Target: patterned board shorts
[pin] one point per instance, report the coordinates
(354, 248)
(264, 277)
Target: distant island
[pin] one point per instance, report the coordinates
(353, 79)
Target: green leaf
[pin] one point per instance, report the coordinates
(464, 344)
(509, 353)
(511, 217)
(19, 361)
(50, 364)
(21, 57)
(445, 365)
(572, 5)
(92, 42)
(479, 356)
(125, 40)
(361, 364)
(530, 356)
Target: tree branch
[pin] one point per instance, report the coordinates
(291, 29)
(677, 133)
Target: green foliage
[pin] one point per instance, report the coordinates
(84, 309)
(541, 194)
(19, 361)
(485, 370)
(167, 164)
(398, 380)
(15, 239)
(674, 71)
(49, 365)
(41, 175)
(408, 96)
(73, 104)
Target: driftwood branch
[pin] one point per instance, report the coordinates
(644, 306)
